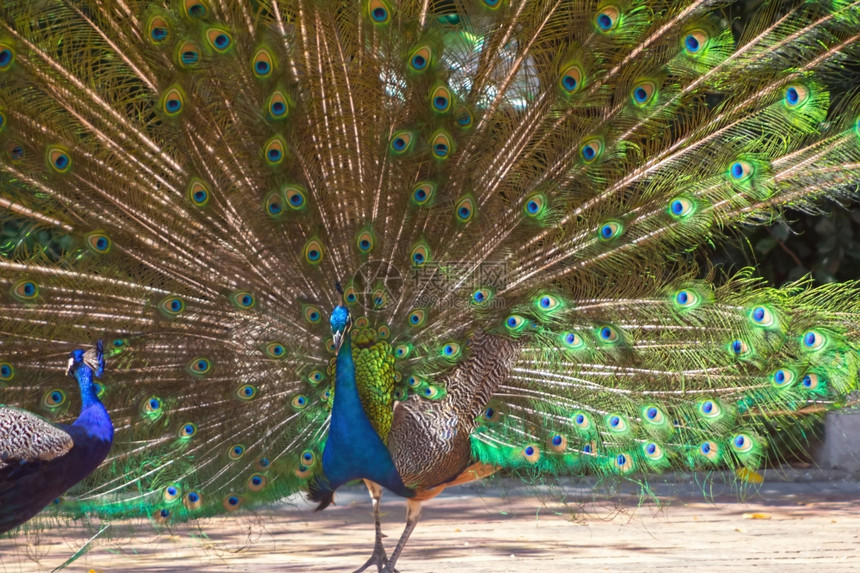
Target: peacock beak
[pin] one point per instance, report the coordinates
(338, 339)
(71, 366)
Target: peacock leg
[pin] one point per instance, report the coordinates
(379, 558)
(413, 512)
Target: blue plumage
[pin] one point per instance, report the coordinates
(353, 449)
(39, 460)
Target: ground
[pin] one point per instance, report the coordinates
(796, 520)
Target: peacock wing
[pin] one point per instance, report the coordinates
(25, 437)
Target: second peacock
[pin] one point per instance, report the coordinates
(509, 193)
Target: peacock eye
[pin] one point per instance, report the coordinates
(243, 299)
(278, 105)
(515, 323)
(608, 334)
(401, 142)
(200, 366)
(365, 241)
(246, 392)
(606, 19)
(314, 252)
(591, 149)
(98, 242)
(423, 192)
(451, 350)
(417, 317)
(741, 171)
(643, 93)
(25, 290)
(158, 30)
(441, 145)
(572, 340)
(420, 254)
(173, 102)
(610, 230)
(571, 79)
(740, 348)
(379, 11)
(7, 372)
(463, 117)
(616, 423)
(796, 95)
(421, 58)
(783, 378)
(695, 42)
(710, 409)
(441, 99)
(814, 340)
(709, 450)
(762, 316)
(811, 381)
(220, 40)
(547, 303)
(152, 405)
(274, 350)
(581, 420)
(402, 350)
(482, 296)
(275, 150)
(686, 298)
(652, 451)
(681, 208)
(53, 398)
(742, 443)
(171, 306)
(187, 430)
(536, 205)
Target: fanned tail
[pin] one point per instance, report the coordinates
(204, 172)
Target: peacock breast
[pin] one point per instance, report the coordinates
(374, 378)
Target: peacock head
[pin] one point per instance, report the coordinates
(93, 358)
(340, 325)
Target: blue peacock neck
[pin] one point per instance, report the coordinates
(94, 416)
(353, 449)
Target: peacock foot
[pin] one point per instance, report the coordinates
(380, 559)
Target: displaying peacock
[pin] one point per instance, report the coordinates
(419, 242)
(39, 460)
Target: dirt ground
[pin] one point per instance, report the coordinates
(797, 522)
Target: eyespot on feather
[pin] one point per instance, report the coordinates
(422, 193)
(219, 39)
(607, 19)
(379, 11)
(53, 399)
(421, 58)
(98, 242)
(58, 159)
(158, 30)
(196, 8)
(314, 252)
(243, 299)
(7, 56)
(25, 290)
(198, 192)
(200, 366)
(441, 145)
(695, 42)
(187, 55)
(173, 102)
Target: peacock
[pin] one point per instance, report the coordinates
(419, 242)
(39, 460)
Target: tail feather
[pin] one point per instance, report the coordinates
(535, 171)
